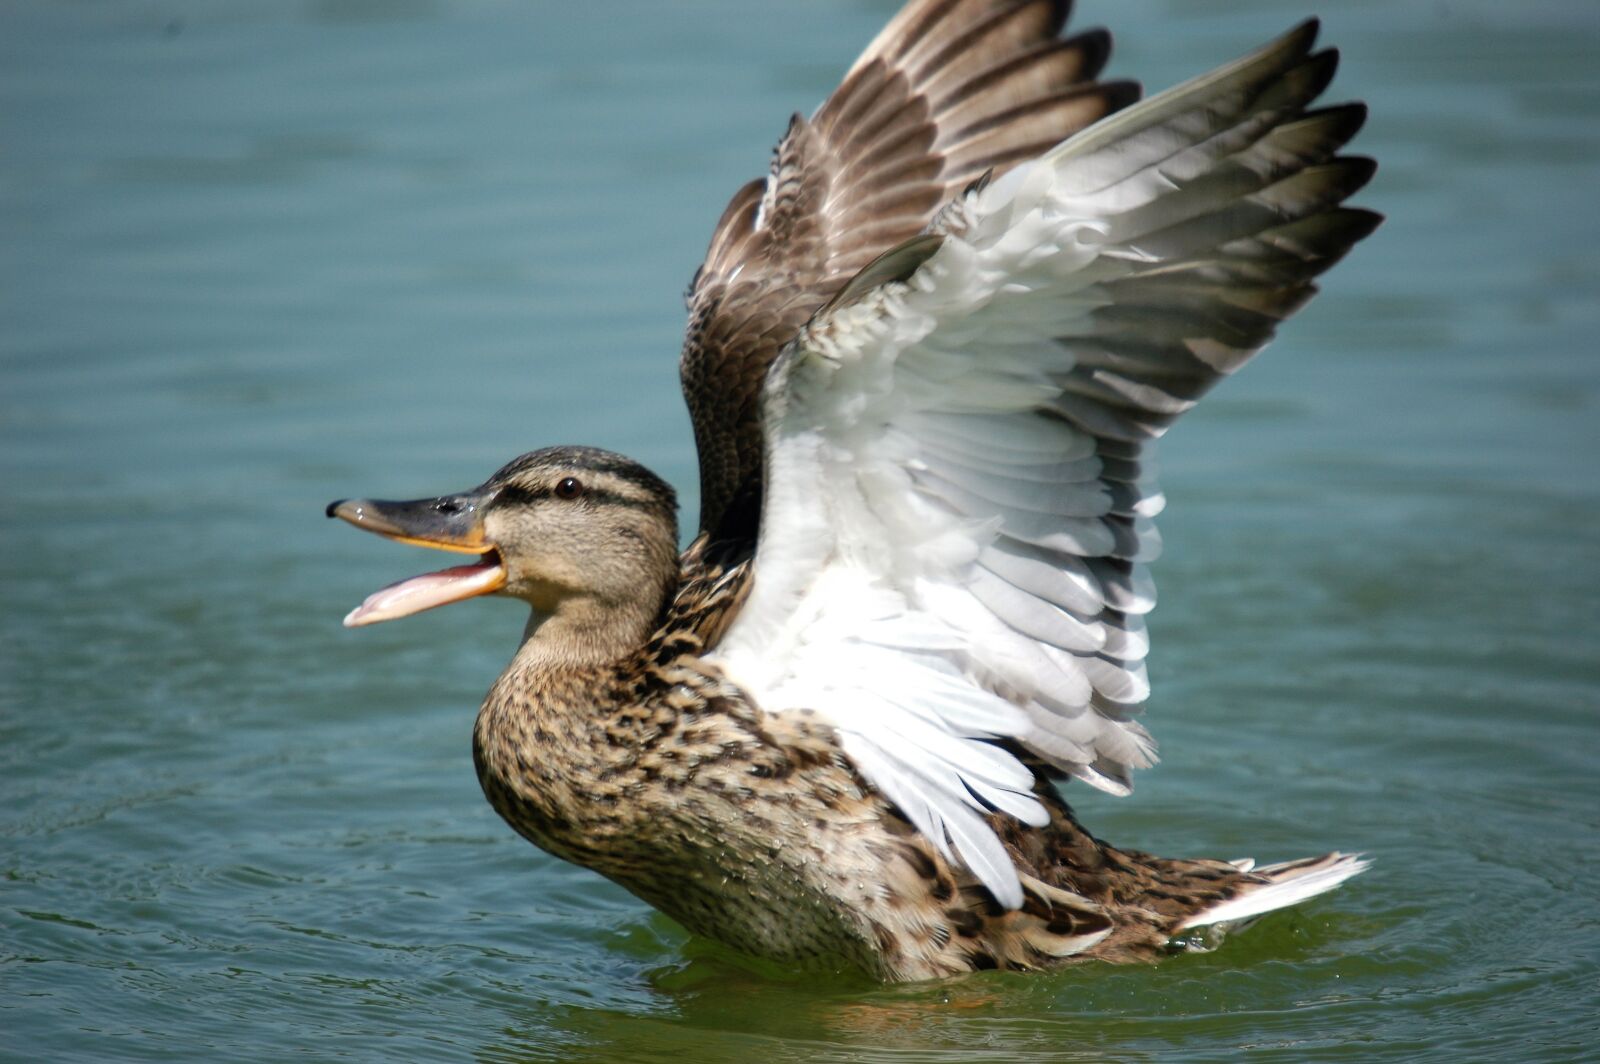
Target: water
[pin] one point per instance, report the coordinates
(259, 255)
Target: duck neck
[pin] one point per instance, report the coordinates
(583, 632)
(546, 736)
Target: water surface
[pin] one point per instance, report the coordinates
(260, 255)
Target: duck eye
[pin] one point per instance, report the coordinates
(569, 488)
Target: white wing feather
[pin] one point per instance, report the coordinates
(957, 508)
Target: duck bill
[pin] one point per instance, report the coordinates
(451, 523)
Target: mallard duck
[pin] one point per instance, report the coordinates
(927, 357)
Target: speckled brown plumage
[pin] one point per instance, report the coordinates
(654, 771)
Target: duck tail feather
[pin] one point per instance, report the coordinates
(1281, 885)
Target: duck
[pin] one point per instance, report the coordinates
(928, 357)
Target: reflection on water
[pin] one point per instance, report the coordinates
(259, 255)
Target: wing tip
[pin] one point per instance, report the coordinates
(1304, 33)
(1095, 44)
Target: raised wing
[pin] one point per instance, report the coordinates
(949, 90)
(958, 504)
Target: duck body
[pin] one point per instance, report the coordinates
(927, 359)
(675, 788)
(656, 771)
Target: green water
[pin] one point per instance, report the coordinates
(255, 256)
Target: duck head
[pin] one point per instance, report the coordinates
(582, 535)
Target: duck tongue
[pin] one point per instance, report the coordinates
(427, 591)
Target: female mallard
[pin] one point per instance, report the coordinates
(926, 359)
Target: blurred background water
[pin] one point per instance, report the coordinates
(254, 256)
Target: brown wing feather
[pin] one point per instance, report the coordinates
(949, 90)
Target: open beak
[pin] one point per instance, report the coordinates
(450, 522)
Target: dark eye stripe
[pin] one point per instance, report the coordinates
(588, 460)
(516, 494)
